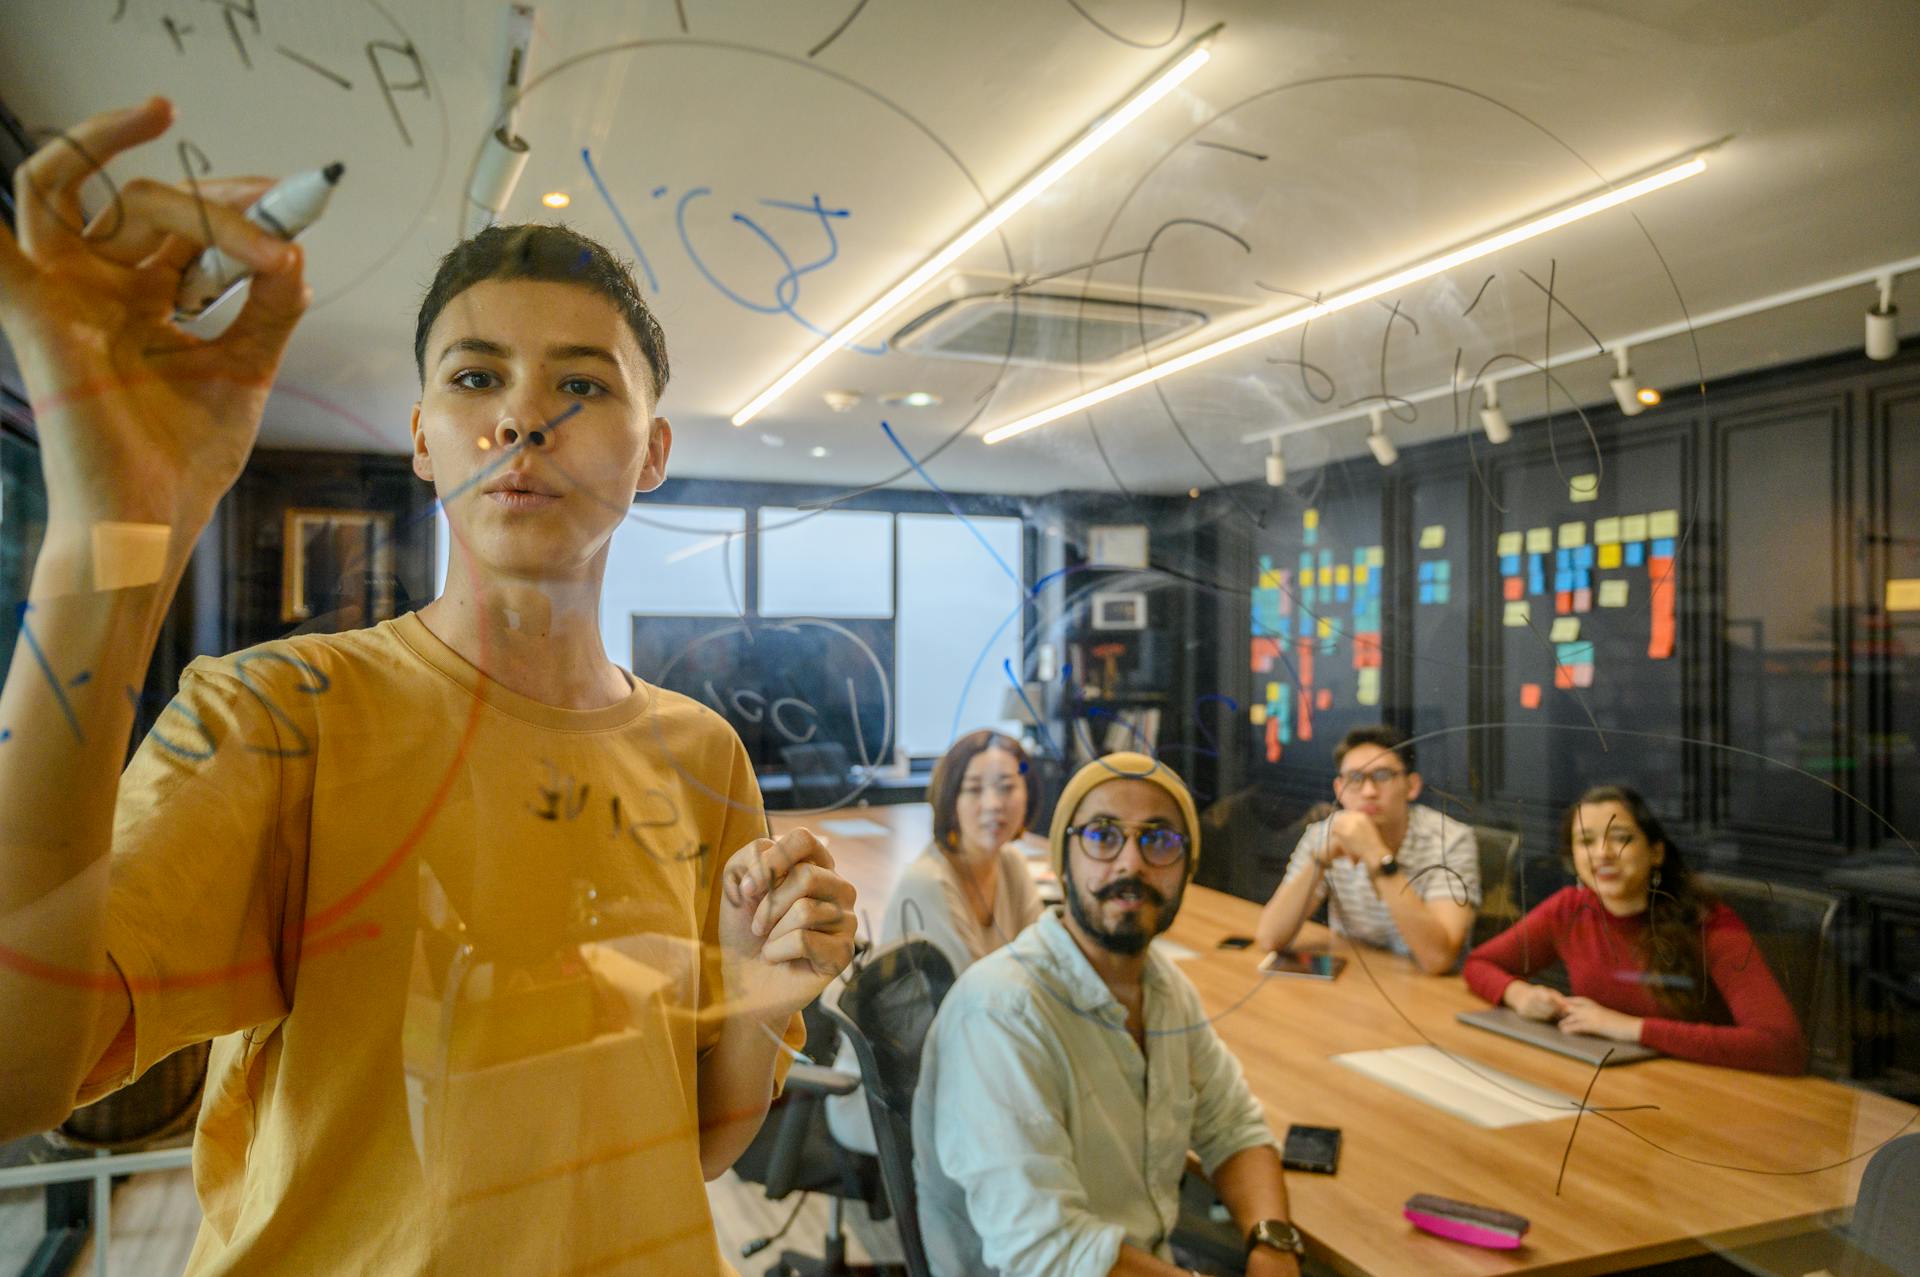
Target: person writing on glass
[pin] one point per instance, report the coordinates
(1651, 955)
(1403, 876)
(1068, 1075)
(496, 963)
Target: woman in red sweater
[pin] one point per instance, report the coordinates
(1652, 957)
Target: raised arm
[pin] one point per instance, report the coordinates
(142, 428)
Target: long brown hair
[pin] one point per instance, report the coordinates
(1671, 946)
(943, 790)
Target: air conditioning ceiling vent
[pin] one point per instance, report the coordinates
(1043, 328)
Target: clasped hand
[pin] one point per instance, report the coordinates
(1352, 835)
(1574, 1015)
(786, 924)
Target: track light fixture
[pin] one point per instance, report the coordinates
(1882, 341)
(1492, 419)
(1383, 450)
(1626, 391)
(1276, 466)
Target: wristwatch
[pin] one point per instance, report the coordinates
(1389, 866)
(1279, 1234)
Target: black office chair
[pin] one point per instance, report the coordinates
(1793, 929)
(821, 771)
(885, 1011)
(795, 1153)
(1499, 905)
(1886, 1217)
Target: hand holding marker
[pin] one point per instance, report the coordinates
(286, 210)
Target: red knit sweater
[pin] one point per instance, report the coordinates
(1603, 963)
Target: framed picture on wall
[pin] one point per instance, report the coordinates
(337, 561)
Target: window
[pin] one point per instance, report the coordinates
(826, 563)
(960, 619)
(672, 560)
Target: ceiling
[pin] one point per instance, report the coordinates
(1325, 144)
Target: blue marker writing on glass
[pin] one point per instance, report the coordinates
(286, 210)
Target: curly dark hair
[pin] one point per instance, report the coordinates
(549, 254)
(1671, 946)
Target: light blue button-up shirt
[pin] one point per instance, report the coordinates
(1043, 1137)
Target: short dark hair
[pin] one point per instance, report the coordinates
(943, 790)
(1378, 734)
(548, 254)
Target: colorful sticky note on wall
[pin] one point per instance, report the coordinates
(1606, 531)
(1433, 536)
(1660, 640)
(1636, 553)
(1342, 574)
(1583, 599)
(1613, 594)
(1663, 523)
(1583, 487)
(1608, 556)
(1539, 540)
(1518, 613)
(1573, 534)
(1903, 594)
(1510, 543)
(1310, 518)
(1376, 555)
(1529, 696)
(1633, 527)
(1323, 699)
(1368, 692)
(1565, 629)
(1513, 588)
(1257, 714)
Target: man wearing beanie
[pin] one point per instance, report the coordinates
(1068, 1075)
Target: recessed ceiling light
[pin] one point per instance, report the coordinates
(911, 398)
(556, 199)
(817, 451)
(1647, 395)
(772, 441)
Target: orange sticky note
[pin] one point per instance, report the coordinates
(1529, 696)
(1515, 588)
(1325, 699)
(1563, 677)
(1660, 640)
(1563, 602)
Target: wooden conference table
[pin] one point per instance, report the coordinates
(1639, 1188)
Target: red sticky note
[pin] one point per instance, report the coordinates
(1514, 588)
(1273, 739)
(1563, 602)
(1660, 640)
(1529, 692)
(1563, 677)
(1325, 699)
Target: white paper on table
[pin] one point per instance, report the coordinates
(1461, 1086)
(857, 827)
(1174, 951)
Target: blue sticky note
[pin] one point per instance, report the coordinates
(1440, 592)
(1341, 592)
(1636, 553)
(1562, 580)
(1307, 595)
(1426, 570)
(1536, 564)
(1443, 571)
(1266, 563)
(1583, 557)
(1663, 548)
(1582, 579)
(1574, 653)
(1509, 565)
(1310, 537)
(1426, 592)
(1563, 558)
(1536, 584)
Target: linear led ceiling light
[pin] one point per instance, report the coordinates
(1097, 135)
(1519, 234)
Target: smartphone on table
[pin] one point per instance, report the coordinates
(1311, 1148)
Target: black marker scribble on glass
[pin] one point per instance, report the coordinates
(94, 169)
(174, 31)
(388, 88)
(313, 66)
(680, 12)
(1237, 150)
(1477, 296)
(1394, 402)
(835, 34)
(190, 154)
(1300, 361)
(1179, 21)
(245, 8)
(1554, 299)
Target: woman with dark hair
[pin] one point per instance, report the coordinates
(1652, 957)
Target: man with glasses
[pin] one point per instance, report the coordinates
(1403, 877)
(1068, 1075)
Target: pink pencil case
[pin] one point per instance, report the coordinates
(1466, 1222)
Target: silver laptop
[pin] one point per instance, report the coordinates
(1581, 1046)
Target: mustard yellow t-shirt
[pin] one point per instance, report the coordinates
(458, 950)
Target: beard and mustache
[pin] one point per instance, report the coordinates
(1129, 936)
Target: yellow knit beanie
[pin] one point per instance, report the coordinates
(1122, 766)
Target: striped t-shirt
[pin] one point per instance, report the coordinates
(1438, 859)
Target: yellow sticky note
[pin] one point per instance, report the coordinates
(1663, 523)
(1606, 531)
(1608, 556)
(1583, 487)
(1368, 692)
(1633, 527)
(1433, 536)
(1324, 576)
(1539, 540)
(1257, 715)
(1518, 613)
(1573, 535)
(1903, 594)
(1360, 575)
(1270, 580)
(1325, 628)
(1310, 519)
(1342, 575)
(1273, 691)
(1376, 555)
(1613, 594)
(1510, 543)
(1566, 629)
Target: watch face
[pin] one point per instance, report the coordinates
(1389, 865)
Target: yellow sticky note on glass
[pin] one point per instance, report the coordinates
(1903, 594)
(1269, 580)
(1433, 536)
(1539, 540)
(1573, 535)
(1510, 543)
(1583, 487)
(1341, 575)
(1325, 627)
(1368, 693)
(1273, 691)
(1613, 594)
(1633, 527)
(1376, 555)
(1663, 523)
(1311, 519)
(1257, 715)
(1360, 575)
(1566, 629)
(1608, 556)
(1606, 531)
(1518, 613)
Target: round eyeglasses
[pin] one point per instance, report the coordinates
(1104, 840)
